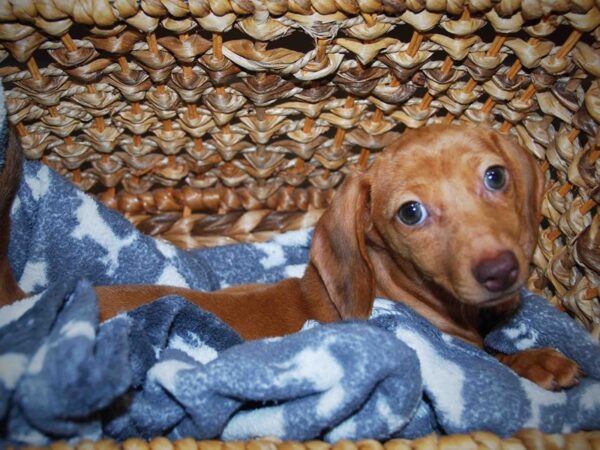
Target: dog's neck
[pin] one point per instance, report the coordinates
(401, 282)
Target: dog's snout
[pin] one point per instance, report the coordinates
(498, 273)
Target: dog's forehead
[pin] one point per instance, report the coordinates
(445, 148)
(441, 142)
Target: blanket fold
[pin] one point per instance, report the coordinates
(169, 368)
(301, 386)
(169, 327)
(74, 370)
(464, 384)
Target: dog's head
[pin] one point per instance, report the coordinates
(458, 206)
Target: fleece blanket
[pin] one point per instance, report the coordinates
(171, 369)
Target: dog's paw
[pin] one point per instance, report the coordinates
(546, 367)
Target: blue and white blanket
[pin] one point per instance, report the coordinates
(172, 369)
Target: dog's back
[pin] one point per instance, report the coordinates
(10, 176)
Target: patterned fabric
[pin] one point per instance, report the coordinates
(172, 369)
(58, 232)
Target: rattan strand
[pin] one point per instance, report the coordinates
(524, 440)
(225, 121)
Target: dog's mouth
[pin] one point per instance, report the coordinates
(502, 298)
(488, 299)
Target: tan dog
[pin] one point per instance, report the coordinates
(444, 221)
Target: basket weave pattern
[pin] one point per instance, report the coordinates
(525, 440)
(218, 121)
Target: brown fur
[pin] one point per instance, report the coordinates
(361, 250)
(547, 367)
(10, 175)
(430, 267)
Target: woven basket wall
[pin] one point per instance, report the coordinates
(216, 121)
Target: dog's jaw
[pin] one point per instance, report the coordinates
(400, 282)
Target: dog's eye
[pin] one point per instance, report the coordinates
(412, 213)
(495, 178)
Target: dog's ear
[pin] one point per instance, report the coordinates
(339, 252)
(528, 176)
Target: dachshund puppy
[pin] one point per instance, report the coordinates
(445, 221)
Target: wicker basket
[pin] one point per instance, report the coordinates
(220, 121)
(524, 440)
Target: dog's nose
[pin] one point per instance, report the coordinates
(498, 273)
